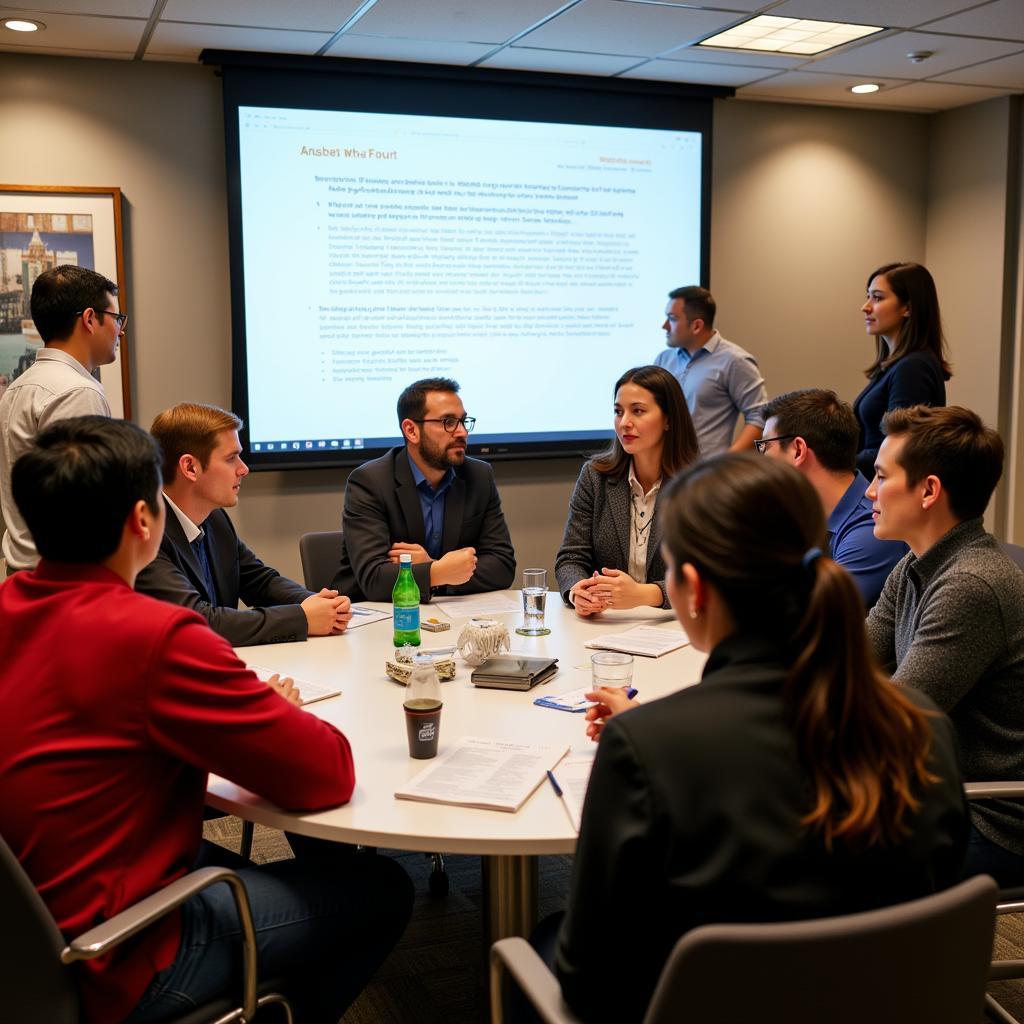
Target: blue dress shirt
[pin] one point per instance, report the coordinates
(432, 504)
(853, 544)
(719, 381)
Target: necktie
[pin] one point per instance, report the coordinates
(199, 547)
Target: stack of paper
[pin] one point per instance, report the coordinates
(647, 641)
(497, 775)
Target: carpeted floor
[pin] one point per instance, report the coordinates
(435, 974)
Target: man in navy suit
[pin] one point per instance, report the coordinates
(426, 499)
(202, 564)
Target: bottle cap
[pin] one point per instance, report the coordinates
(405, 559)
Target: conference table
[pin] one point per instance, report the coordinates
(369, 712)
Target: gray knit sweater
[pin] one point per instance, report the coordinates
(951, 623)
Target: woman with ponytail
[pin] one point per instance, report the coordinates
(794, 781)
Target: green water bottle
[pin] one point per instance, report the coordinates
(406, 599)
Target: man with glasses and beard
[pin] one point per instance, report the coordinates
(429, 500)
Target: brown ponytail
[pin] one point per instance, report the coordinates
(863, 744)
(747, 524)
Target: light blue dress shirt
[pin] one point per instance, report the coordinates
(720, 380)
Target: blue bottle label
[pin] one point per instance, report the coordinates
(407, 619)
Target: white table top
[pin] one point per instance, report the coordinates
(370, 714)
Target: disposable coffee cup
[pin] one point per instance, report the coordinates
(423, 724)
(610, 668)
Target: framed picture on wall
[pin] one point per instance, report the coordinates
(44, 226)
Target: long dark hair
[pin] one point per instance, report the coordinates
(680, 446)
(746, 525)
(922, 327)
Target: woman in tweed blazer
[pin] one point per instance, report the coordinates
(610, 555)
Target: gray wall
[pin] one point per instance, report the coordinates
(806, 201)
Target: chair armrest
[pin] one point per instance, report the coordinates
(104, 937)
(520, 960)
(991, 790)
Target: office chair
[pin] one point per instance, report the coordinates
(1009, 901)
(321, 555)
(36, 984)
(926, 960)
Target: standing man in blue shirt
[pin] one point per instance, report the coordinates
(428, 499)
(720, 380)
(817, 433)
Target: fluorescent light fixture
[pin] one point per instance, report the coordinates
(23, 25)
(865, 87)
(788, 35)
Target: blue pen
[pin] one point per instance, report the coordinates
(632, 692)
(554, 783)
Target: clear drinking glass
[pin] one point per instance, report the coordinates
(535, 595)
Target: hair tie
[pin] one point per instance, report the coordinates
(811, 555)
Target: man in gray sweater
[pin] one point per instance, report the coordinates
(950, 619)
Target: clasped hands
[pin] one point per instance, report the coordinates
(327, 613)
(453, 567)
(611, 588)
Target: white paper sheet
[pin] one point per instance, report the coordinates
(363, 616)
(572, 775)
(646, 641)
(310, 692)
(479, 772)
(478, 606)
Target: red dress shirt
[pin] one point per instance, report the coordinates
(113, 709)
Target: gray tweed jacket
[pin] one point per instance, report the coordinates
(597, 533)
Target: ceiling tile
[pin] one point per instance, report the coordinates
(59, 51)
(607, 26)
(739, 6)
(312, 15)
(748, 58)
(1005, 73)
(886, 13)
(186, 41)
(478, 21)
(888, 56)
(698, 74)
(1003, 19)
(806, 86)
(934, 96)
(107, 8)
(76, 33)
(524, 58)
(422, 51)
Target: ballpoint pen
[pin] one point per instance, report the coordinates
(554, 783)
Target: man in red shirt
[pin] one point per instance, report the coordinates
(113, 708)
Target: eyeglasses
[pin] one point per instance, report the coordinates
(762, 445)
(451, 422)
(121, 318)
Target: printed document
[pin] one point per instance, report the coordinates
(646, 641)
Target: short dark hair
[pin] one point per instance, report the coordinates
(699, 303)
(680, 447)
(59, 294)
(952, 443)
(190, 429)
(77, 484)
(412, 402)
(823, 420)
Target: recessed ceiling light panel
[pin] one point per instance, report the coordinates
(23, 25)
(788, 35)
(865, 87)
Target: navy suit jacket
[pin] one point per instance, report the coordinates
(382, 507)
(273, 615)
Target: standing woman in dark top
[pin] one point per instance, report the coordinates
(793, 781)
(910, 368)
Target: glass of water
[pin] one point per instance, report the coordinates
(535, 595)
